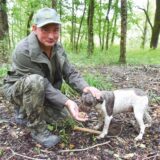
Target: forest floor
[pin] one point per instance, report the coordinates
(16, 143)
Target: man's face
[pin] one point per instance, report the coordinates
(48, 35)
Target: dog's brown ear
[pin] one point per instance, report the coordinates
(100, 100)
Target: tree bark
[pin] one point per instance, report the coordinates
(114, 22)
(54, 4)
(145, 28)
(122, 58)
(156, 27)
(79, 31)
(108, 24)
(100, 23)
(4, 28)
(90, 28)
(29, 22)
(73, 25)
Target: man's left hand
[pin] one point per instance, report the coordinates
(94, 91)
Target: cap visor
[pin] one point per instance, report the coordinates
(48, 22)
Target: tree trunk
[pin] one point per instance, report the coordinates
(156, 27)
(73, 25)
(29, 22)
(122, 58)
(80, 25)
(60, 13)
(103, 36)
(54, 4)
(3, 20)
(145, 28)
(100, 23)
(114, 22)
(4, 30)
(108, 24)
(90, 27)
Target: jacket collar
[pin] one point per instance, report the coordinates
(34, 48)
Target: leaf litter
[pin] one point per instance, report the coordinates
(16, 143)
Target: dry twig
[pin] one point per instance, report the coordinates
(153, 156)
(20, 155)
(86, 130)
(84, 149)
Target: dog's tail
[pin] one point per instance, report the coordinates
(148, 117)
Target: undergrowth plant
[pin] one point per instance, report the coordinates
(68, 91)
(98, 81)
(64, 128)
(3, 71)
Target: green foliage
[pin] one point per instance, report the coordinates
(68, 91)
(37, 150)
(3, 71)
(1, 152)
(97, 81)
(100, 58)
(64, 128)
(4, 48)
(143, 56)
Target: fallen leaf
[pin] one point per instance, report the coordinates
(71, 146)
(129, 155)
(142, 146)
(13, 133)
(62, 145)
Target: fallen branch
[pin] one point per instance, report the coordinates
(20, 155)
(76, 128)
(84, 149)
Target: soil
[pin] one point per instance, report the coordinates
(16, 143)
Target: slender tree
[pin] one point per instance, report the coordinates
(4, 29)
(90, 27)
(108, 24)
(122, 58)
(3, 20)
(54, 4)
(100, 22)
(114, 21)
(145, 28)
(29, 22)
(156, 27)
(80, 26)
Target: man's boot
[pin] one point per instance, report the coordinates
(44, 137)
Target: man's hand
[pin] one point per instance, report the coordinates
(74, 110)
(94, 91)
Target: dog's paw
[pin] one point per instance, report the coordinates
(138, 138)
(96, 127)
(100, 136)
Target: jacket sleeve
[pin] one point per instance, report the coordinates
(73, 77)
(54, 95)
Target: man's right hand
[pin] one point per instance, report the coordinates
(74, 110)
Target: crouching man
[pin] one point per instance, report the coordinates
(39, 65)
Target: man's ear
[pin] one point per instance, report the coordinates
(100, 100)
(34, 28)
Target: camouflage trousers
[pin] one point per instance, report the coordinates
(28, 93)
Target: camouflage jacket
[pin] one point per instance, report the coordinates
(28, 58)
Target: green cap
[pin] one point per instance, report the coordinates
(45, 16)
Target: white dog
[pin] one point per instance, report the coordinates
(118, 101)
